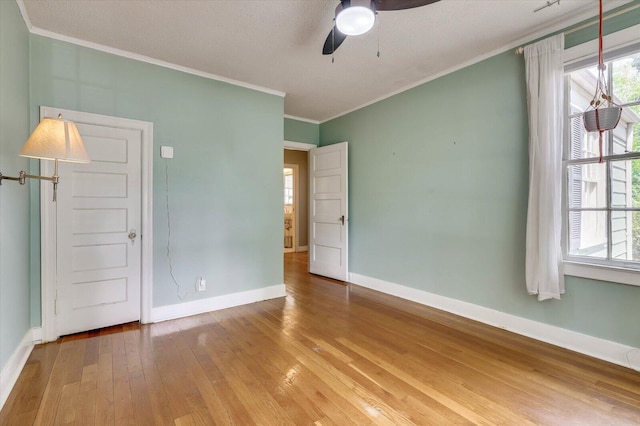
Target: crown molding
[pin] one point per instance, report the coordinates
(306, 120)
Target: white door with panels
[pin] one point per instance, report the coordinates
(329, 225)
(98, 226)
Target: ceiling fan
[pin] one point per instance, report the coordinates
(355, 17)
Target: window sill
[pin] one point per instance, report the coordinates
(602, 273)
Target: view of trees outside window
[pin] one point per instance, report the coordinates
(604, 198)
(626, 78)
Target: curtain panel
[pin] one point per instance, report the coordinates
(545, 101)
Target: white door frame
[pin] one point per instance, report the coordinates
(48, 219)
(299, 146)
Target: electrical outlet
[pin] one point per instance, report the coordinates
(202, 284)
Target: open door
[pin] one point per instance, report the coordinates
(328, 220)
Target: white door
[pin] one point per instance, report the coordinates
(98, 232)
(328, 230)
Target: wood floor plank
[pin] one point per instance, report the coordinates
(258, 402)
(363, 400)
(276, 382)
(325, 390)
(328, 354)
(230, 409)
(66, 413)
(86, 408)
(171, 373)
(105, 410)
(158, 397)
(48, 408)
(122, 401)
(86, 401)
(199, 364)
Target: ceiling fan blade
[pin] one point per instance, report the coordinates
(333, 41)
(401, 4)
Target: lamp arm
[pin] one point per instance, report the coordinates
(17, 179)
(23, 176)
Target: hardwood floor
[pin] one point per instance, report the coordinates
(328, 353)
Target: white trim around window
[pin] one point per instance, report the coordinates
(615, 45)
(602, 273)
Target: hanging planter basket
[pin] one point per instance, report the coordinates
(601, 119)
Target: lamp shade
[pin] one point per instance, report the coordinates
(355, 17)
(55, 139)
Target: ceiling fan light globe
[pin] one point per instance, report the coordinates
(355, 20)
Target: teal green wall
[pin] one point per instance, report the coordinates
(438, 181)
(14, 199)
(301, 131)
(225, 178)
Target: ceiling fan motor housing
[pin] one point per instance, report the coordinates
(355, 17)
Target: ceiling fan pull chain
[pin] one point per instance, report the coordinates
(333, 41)
(378, 31)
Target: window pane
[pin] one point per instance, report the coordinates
(587, 185)
(626, 79)
(288, 186)
(583, 87)
(588, 233)
(625, 235)
(626, 135)
(621, 143)
(625, 183)
(635, 133)
(584, 144)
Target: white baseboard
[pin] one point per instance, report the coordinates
(180, 310)
(36, 335)
(303, 248)
(626, 356)
(14, 366)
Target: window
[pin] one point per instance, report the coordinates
(288, 186)
(603, 199)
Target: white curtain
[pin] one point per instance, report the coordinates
(545, 100)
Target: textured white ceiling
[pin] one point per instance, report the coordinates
(277, 44)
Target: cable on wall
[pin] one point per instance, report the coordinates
(166, 187)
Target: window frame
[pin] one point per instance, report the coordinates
(618, 44)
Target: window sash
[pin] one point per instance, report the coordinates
(634, 155)
(569, 190)
(627, 105)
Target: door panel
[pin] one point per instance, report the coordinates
(99, 205)
(328, 244)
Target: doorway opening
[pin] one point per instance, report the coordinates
(291, 195)
(298, 227)
(297, 153)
